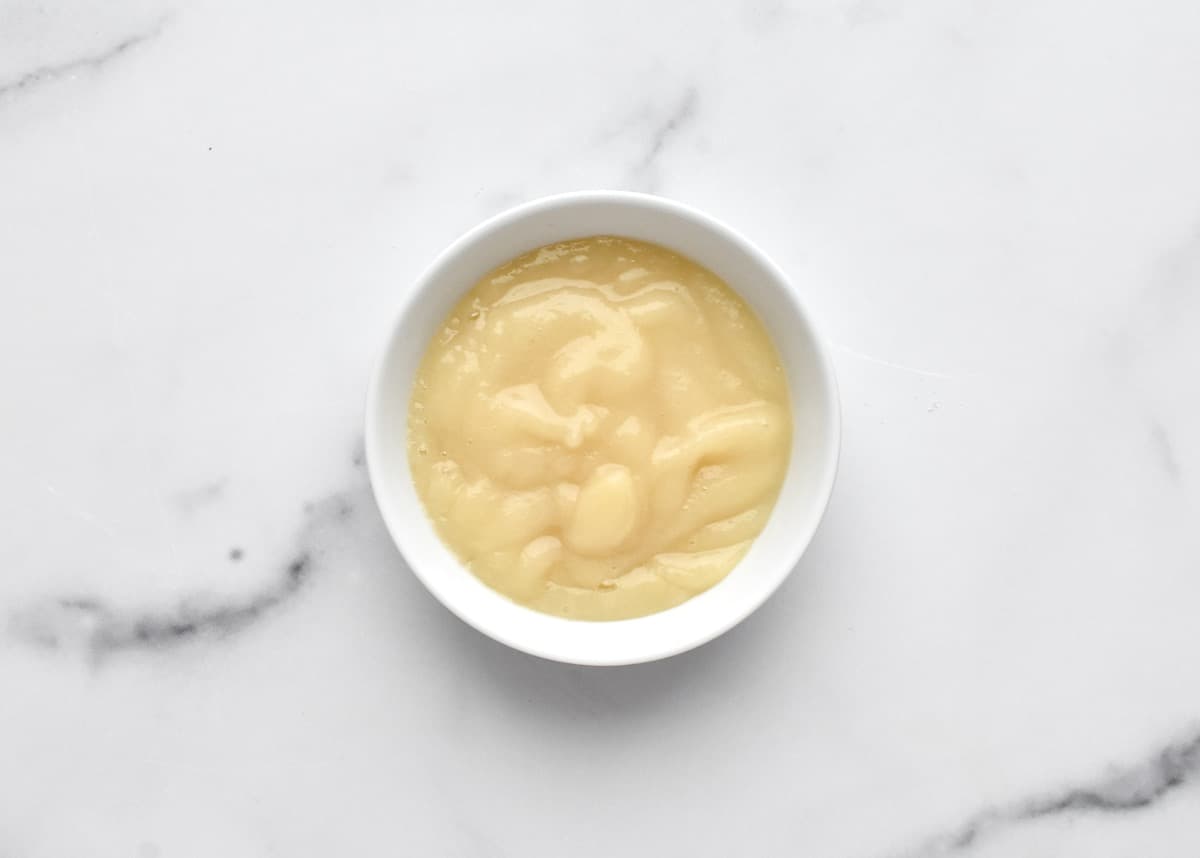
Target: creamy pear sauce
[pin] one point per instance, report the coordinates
(600, 429)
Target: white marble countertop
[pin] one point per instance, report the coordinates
(209, 212)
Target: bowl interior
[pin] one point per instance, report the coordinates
(806, 487)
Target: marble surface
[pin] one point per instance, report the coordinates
(209, 212)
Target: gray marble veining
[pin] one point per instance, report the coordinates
(90, 63)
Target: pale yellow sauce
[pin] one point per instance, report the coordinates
(599, 429)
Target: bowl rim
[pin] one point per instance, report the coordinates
(823, 488)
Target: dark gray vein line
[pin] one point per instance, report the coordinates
(1165, 450)
(1127, 791)
(89, 63)
(103, 631)
(111, 632)
(644, 172)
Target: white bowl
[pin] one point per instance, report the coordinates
(815, 417)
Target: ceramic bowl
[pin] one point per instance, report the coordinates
(806, 487)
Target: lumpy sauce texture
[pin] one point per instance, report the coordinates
(599, 429)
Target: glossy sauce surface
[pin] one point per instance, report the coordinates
(599, 429)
